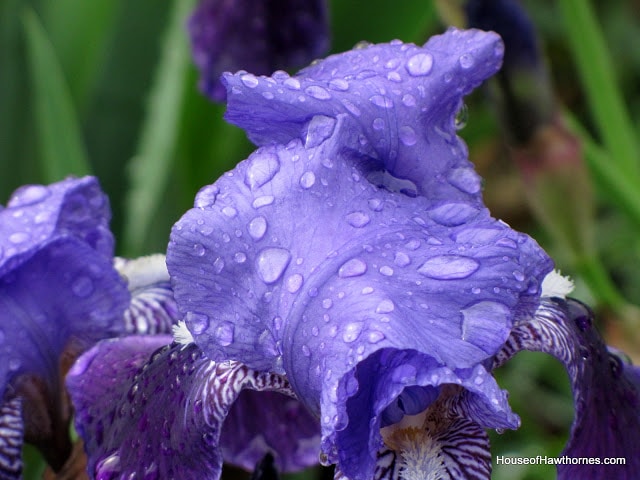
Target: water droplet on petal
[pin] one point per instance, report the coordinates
(453, 214)
(229, 211)
(224, 334)
(401, 259)
(351, 107)
(394, 77)
(420, 64)
(28, 195)
(357, 219)
(352, 331)
(319, 129)
(249, 80)
(262, 168)
(374, 336)
(14, 364)
(386, 271)
(409, 100)
(407, 135)
(448, 267)
(271, 263)
(197, 322)
(262, 201)
(294, 282)
(352, 268)
(507, 242)
(198, 250)
(361, 45)
(82, 286)
(240, 257)
(378, 124)
(375, 204)
(305, 351)
(462, 116)
(465, 179)
(339, 84)
(257, 227)
(19, 237)
(385, 306)
(206, 197)
(317, 92)
(381, 101)
(292, 83)
(413, 244)
(218, 265)
(307, 180)
(518, 275)
(466, 60)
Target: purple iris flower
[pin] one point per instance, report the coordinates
(353, 253)
(257, 35)
(59, 294)
(158, 409)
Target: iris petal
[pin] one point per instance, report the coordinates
(121, 396)
(606, 390)
(59, 294)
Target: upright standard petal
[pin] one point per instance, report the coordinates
(355, 241)
(255, 35)
(59, 294)
(606, 390)
(160, 411)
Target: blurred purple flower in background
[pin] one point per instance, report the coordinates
(256, 35)
(352, 252)
(59, 294)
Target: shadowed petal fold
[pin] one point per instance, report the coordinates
(358, 228)
(606, 389)
(176, 414)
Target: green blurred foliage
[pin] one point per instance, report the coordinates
(83, 87)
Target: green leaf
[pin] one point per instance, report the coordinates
(152, 165)
(81, 32)
(620, 189)
(595, 67)
(62, 151)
